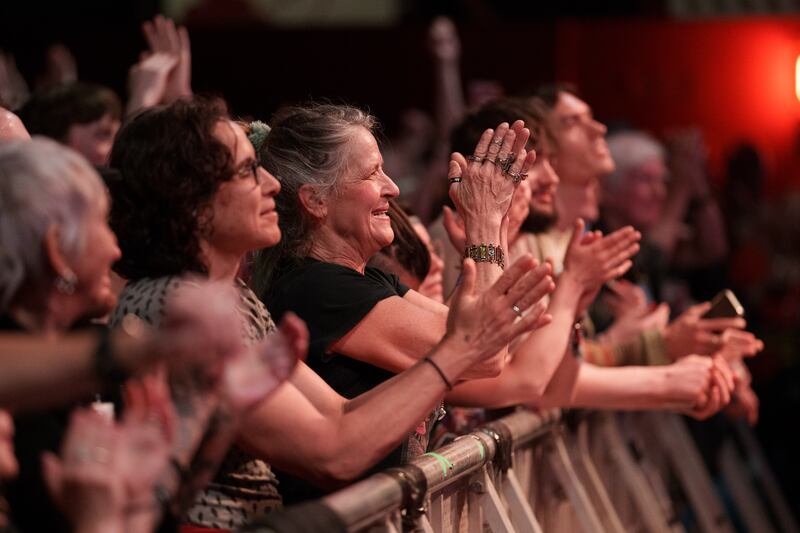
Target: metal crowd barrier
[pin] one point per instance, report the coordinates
(532, 472)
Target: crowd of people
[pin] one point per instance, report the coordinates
(206, 319)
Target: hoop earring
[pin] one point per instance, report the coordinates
(65, 283)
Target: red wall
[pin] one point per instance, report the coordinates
(733, 78)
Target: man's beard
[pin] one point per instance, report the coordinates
(538, 222)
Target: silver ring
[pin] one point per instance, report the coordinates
(454, 179)
(498, 142)
(515, 177)
(476, 158)
(517, 310)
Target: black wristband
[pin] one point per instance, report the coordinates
(106, 367)
(439, 370)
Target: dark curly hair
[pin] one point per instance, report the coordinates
(170, 166)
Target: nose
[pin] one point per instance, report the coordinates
(437, 265)
(549, 175)
(270, 186)
(116, 253)
(390, 188)
(598, 127)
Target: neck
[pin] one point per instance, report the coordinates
(222, 265)
(331, 248)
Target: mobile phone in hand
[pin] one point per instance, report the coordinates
(725, 305)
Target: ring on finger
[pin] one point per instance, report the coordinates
(498, 142)
(505, 163)
(476, 158)
(454, 179)
(516, 310)
(516, 177)
(523, 176)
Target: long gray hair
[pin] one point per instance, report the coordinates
(41, 183)
(308, 145)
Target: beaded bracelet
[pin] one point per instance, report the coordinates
(486, 253)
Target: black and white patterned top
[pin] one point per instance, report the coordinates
(244, 485)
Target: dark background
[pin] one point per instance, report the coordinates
(729, 70)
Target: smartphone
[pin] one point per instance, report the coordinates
(725, 305)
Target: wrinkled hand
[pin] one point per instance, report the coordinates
(443, 38)
(85, 481)
(163, 37)
(484, 194)
(486, 323)
(147, 80)
(689, 333)
(593, 259)
(256, 372)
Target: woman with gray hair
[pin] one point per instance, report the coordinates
(364, 325)
(56, 247)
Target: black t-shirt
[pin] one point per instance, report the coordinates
(332, 299)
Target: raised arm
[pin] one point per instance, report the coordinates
(590, 262)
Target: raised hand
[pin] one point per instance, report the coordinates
(444, 42)
(632, 315)
(85, 480)
(689, 333)
(60, 68)
(482, 188)
(486, 323)
(148, 80)
(256, 372)
(148, 433)
(594, 259)
(699, 386)
(163, 37)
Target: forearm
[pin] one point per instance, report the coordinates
(330, 449)
(449, 97)
(525, 378)
(624, 388)
(64, 368)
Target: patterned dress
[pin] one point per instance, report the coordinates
(244, 486)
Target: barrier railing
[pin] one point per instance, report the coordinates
(531, 472)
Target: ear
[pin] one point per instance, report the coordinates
(313, 201)
(52, 251)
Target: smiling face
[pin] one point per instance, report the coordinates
(243, 215)
(356, 211)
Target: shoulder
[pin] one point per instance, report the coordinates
(145, 298)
